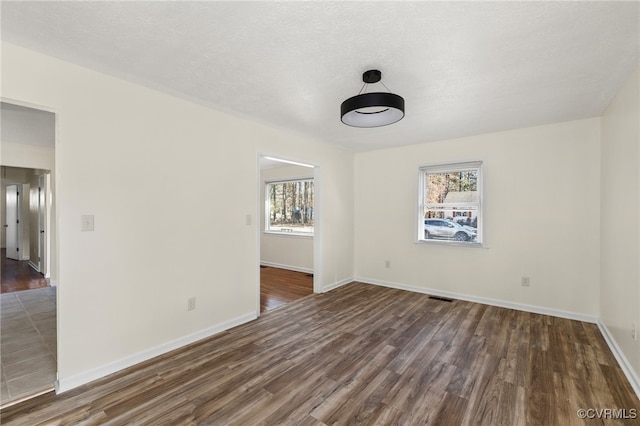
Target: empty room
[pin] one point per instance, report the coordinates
(458, 182)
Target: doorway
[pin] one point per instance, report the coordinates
(288, 215)
(28, 300)
(25, 231)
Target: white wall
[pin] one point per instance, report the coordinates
(542, 215)
(287, 251)
(30, 156)
(620, 246)
(158, 239)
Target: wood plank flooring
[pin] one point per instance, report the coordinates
(17, 275)
(281, 286)
(362, 354)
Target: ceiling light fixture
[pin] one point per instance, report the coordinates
(372, 109)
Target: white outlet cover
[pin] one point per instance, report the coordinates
(87, 222)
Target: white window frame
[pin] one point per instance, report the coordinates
(423, 171)
(267, 209)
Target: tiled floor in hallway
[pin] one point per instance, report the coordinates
(28, 343)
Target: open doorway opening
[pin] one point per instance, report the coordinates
(28, 310)
(288, 217)
(25, 243)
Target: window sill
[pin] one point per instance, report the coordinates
(446, 243)
(289, 234)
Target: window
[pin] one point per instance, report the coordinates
(289, 207)
(450, 206)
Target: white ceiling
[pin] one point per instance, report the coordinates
(463, 68)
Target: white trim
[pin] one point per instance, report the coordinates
(484, 300)
(308, 235)
(449, 243)
(318, 234)
(33, 265)
(267, 202)
(66, 384)
(626, 367)
(423, 171)
(26, 398)
(295, 163)
(288, 267)
(454, 166)
(336, 284)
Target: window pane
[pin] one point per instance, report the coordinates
(451, 204)
(452, 187)
(290, 207)
(462, 215)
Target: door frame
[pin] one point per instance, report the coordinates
(42, 225)
(52, 217)
(317, 217)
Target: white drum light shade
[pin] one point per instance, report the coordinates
(372, 109)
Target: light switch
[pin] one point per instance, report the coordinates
(247, 220)
(87, 222)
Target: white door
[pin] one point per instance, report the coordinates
(12, 222)
(41, 224)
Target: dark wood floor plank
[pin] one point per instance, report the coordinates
(280, 286)
(17, 275)
(451, 410)
(360, 354)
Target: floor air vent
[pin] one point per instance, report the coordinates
(443, 299)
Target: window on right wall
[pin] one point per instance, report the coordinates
(450, 206)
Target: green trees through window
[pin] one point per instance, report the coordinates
(289, 207)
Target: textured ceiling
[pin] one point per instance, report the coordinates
(463, 68)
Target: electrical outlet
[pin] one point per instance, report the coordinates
(524, 281)
(191, 304)
(634, 332)
(387, 264)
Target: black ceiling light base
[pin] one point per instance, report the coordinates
(372, 76)
(372, 109)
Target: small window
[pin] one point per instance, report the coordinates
(450, 206)
(289, 207)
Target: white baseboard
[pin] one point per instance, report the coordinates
(484, 300)
(288, 267)
(626, 367)
(68, 383)
(33, 266)
(337, 284)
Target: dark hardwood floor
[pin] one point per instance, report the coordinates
(17, 275)
(362, 354)
(281, 286)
